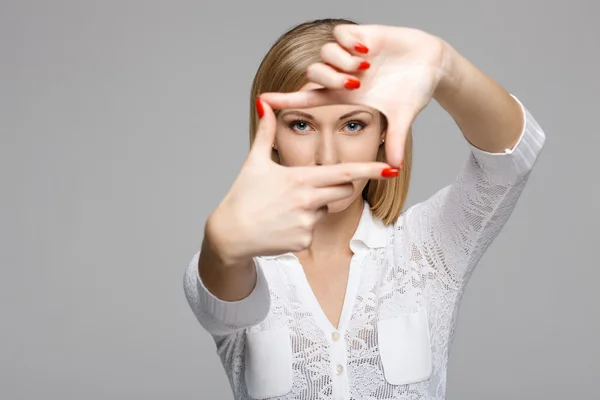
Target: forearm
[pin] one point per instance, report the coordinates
(488, 116)
(226, 281)
(225, 300)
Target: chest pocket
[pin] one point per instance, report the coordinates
(405, 348)
(268, 363)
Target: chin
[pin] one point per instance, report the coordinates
(343, 204)
(339, 206)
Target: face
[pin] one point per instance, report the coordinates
(329, 135)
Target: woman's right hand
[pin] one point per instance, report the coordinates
(271, 209)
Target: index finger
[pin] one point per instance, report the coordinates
(331, 175)
(307, 98)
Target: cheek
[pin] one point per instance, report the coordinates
(295, 150)
(358, 149)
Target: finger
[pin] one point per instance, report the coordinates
(309, 98)
(396, 136)
(322, 212)
(332, 175)
(329, 194)
(327, 76)
(334, 55)
(352, 38)
(265, 134)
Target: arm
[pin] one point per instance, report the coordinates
(225, 295)
(226, 278)
(488, 116)
(453, 228)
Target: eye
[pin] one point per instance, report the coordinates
(299, 125)
(355, 126)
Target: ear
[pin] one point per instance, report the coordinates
(277, 112)
(383, 122)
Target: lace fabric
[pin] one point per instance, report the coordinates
(405, 286)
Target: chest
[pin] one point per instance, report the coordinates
(328, 282)
(353, 321)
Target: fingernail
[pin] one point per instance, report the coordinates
(364, 65)
(361, 48)
(259, 108)
(352, 84)
(389, 172)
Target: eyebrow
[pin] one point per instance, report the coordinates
(311, 118)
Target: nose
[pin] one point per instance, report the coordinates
(327, 153)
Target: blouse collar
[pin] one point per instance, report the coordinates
(371, 233)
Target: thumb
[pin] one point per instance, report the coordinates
(265, 133)
(396, 137)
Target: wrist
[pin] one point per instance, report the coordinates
(453, 66)
(222, 241)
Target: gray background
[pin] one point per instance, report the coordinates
(123, 124)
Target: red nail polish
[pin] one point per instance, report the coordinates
(361, 48)
(364, 65)
(352, 84)
(389, 172)
(259, 108)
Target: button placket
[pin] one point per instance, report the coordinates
(338, 353)
(338, 360)
(335, 336)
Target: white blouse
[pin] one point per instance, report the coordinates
(404, 288)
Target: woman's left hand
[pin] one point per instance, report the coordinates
(406, 67)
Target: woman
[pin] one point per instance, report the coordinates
(311, 279)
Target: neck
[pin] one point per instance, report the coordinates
(333, 233)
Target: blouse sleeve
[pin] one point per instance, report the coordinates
(221, 317)
(454, 227)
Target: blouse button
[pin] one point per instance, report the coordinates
(339, 369)
(335, 336)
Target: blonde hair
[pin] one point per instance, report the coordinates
(283, 69)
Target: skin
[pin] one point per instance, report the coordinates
(276, 208)
(324, 136)
(268, 217)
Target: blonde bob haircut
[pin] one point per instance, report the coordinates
(283, 69)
